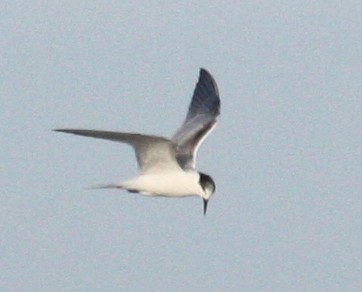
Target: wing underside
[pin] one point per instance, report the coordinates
(159, 154)
(153, 153)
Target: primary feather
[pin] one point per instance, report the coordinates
(199, 122)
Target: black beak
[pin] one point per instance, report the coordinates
(205, 206)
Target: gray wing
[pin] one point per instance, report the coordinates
(200, 120)
(154, 154)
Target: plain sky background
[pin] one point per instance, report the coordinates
(286, 154)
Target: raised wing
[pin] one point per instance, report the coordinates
(154, 154)
(200, 120)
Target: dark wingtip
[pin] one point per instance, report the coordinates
(203, 71)
(61, 130)
(209, 81)
(68, 131)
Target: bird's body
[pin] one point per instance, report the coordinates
(167, 166)
(175, 183)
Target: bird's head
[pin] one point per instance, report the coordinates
(208, 186)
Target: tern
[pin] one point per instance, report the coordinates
(167, 166)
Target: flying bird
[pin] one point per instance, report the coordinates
(167, 166)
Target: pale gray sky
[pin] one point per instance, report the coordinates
(286, 154)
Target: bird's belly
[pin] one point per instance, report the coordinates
(170, 185)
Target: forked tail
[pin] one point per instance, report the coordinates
(113, 186)
(105, 186)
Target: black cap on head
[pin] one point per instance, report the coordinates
(207, 182)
